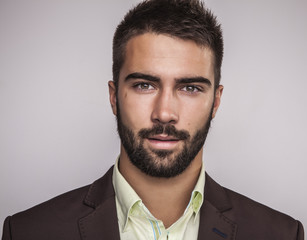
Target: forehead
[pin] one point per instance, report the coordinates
(167, 57)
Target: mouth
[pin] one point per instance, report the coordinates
(163, 142)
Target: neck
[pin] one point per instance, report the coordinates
(174, 192)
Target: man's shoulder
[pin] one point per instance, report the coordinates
(255, 218)
(65, 203)
(60, 215)
(251, 217)
(49, 218)
(73, 201)
(247, 207)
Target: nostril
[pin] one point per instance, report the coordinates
(164, 121)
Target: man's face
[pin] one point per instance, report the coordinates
(165, 102)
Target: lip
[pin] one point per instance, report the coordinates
(163, 142)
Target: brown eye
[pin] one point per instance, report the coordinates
(191, 89)
(143, 86)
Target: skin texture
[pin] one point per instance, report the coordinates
(164, 98)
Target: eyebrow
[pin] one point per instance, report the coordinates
(138, 75)
(184, 80)
(194, 80)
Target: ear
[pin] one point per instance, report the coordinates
(217, 99)
(112, 96)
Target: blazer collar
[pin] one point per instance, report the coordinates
(103, 220)
(213, 223)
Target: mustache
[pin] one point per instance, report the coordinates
(168, 129)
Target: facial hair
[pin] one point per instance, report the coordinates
(162, 163)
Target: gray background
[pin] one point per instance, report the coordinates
(57, 131)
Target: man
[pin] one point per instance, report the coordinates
(167, 57)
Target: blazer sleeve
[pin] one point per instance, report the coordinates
(6, 235)
(300, 231)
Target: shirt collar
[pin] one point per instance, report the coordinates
(129, 200)
(125, 195)
(197, 196)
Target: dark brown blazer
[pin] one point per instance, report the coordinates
(89, 213)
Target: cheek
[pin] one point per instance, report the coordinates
(135, 112)
(195, 115)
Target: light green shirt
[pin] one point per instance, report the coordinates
(136, 222)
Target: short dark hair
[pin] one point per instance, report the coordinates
(183, 19)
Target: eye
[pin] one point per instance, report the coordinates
(143, 86)
(191, 89)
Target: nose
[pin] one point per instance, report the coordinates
(165, 108)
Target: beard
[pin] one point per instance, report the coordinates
(162, 163)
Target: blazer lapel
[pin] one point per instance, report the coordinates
(102, 222)
(213, 224)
